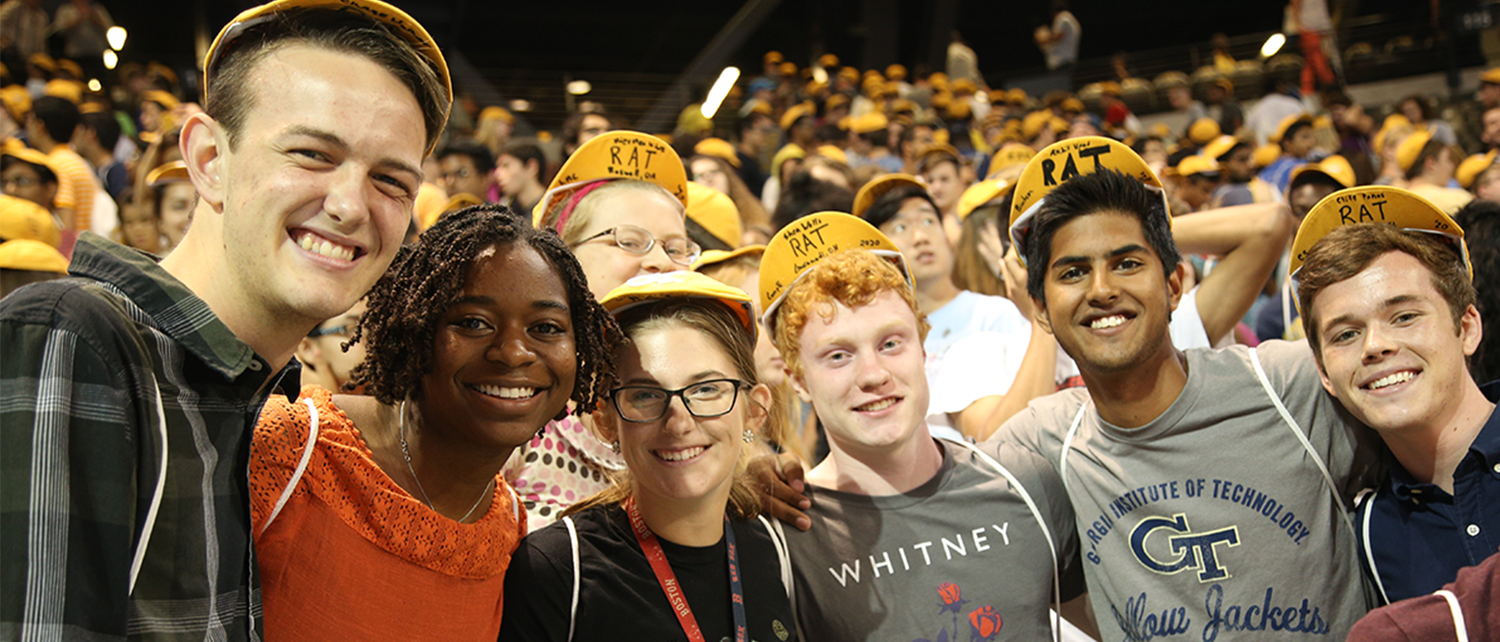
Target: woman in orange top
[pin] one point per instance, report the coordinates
(384, 517)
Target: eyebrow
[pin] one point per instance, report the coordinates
(1119, 251)
(651, 381)
(540, 304)
(1389, 303)
(333, 139)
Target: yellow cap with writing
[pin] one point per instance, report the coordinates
(611, 156)
(1066, 160)
(649, 288)
(1375, 204)
(805, 242)
(1010, 155)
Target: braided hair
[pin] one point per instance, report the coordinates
(428, 276)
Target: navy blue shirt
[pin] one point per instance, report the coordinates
(1420, 535)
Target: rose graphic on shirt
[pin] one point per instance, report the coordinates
(952, 598)
(986, 623)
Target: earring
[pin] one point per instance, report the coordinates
(615, 446)
(749, 436)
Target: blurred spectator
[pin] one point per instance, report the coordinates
(29, 175)
(521, 175)
(1429, 168)
(82, 25)
(1480, 221)
(1181, 100)
(1490, 134)
(1197, 179)
(1273, 108)
(23, 28)
(962, 61)
(1309, 19)
(805, 194)
(467, 168)
(95, 141)
(23, 262)
(1059, 42)
(1223, 60)
(173, 197)
(1419, 111)
(1295, 136)
(1220, 97)
(140, 226)
(757, 136)
(582, 126)
(496, 124)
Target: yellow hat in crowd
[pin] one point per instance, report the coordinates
(795, 113)
(23, 219)
(69, 90)
(715, 213)
(395, 20)
(611, 156)
(772, 58)
(1265, 155)
(985, 192)
(1218, 147)
(1491, 76)
(832, 153)
(1375, 204)
(32, 256)
(869, 123)
(1011, 155)
(808, 241)
(1336, 168)
(1195, 165)
(1410, 148)
(650, 288)
(788, 152)
(717, 148)
(873, 190)
(173, 172)
(1472, 167)
(1063, 161)
(496, 113)
(1286, 123)
(1391, 122)
(17, 101)
(1203, 131)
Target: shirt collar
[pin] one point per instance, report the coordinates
(1486, 446)
(171, 306)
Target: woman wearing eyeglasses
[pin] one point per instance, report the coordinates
(619, 203)
(676, 549)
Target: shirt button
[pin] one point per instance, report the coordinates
(1497, 468)
(255, 365)
(1472, 530)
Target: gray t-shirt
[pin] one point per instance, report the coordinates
(1213, 521)
(958, 558)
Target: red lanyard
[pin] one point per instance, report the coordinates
(668, 579)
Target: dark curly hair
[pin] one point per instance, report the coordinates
(428, 276)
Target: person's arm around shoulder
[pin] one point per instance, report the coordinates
(1037, 374)
(539, 588)
(75, 448)
(1251, 240)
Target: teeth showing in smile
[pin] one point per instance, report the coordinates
(1107, 322)
(679, 455)
(506, 393)
(1391, 380)
(876, 405)
(326, 248)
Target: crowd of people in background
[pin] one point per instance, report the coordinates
(594, 335)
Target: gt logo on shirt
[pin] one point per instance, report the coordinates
(1193, 550)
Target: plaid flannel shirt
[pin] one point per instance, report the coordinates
(126, 409)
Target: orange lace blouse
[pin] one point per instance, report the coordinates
(351, 555)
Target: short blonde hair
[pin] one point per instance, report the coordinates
(853, 278)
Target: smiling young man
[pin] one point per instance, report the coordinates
(1210, 485)
(900, 521)
(1390, 317)
(984, 358)
(129, 392)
